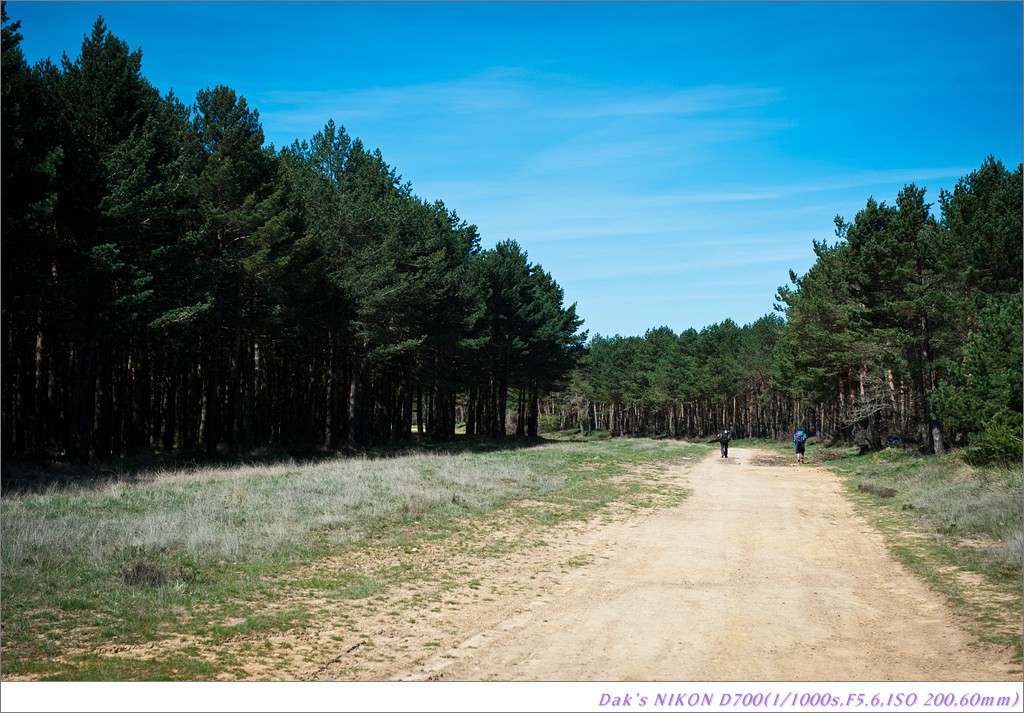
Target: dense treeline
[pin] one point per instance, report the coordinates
(686, 385)
(170, 282)
(906, 325)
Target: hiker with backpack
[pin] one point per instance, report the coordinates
(723, 438)
(799, 439)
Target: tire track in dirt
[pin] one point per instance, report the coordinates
(766, 573)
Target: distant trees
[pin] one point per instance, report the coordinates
(684, 385)
(906, 325)
(170, 282)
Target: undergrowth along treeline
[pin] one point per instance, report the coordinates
(170, 282)
(907, 325)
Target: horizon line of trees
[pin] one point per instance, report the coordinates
(906, 325)
(169, 282)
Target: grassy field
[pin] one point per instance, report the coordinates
(121, 558)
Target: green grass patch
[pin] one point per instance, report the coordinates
(265, 623)
(346, 585)
(173, 667)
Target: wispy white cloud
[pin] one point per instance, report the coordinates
(553, 96)
(867, 178)
(642, 101)
(557, 120)
(686, 260)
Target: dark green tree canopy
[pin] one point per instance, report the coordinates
(180, 284)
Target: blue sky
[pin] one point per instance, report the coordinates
(667, 162)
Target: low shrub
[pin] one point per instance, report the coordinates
(998, 443)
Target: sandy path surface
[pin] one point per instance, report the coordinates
(765, 573)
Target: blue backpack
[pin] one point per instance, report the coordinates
(799, 437)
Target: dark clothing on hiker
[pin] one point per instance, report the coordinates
(723, 438)
(799, 440)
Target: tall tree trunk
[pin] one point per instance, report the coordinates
(935, 440)
(532, 428)
(419, 407)
(235, 394)
(333, 435)
(248, 375)
(358, 408)
(407, 405)
(170, 401)
(212, 414)
(103, 426)
(83, 387)
(521, 412)
(137, 380)
(40, 428)
(471, 411)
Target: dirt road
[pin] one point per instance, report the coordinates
(765, 573)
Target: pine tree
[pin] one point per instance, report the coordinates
(245, 247)
(109, 215)
(31, 156)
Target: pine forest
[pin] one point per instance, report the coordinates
(173, 284)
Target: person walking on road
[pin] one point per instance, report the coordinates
(723, 439)
(799, 439)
